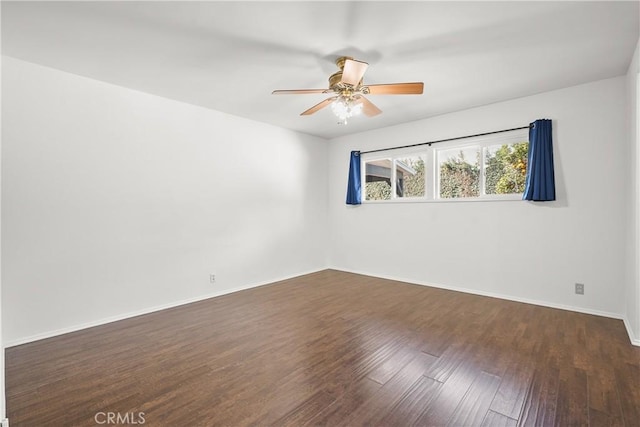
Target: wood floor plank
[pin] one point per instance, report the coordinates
(412, 403)
(494, 419)
(352, 397)
(573, 408)
(540, 405)
(474, 405)
(627, 380)
(390, 393)
(334, 348)
(374, 363)
(386, 370)
(512, 392)
(454, 356)
(443, 406)
(306, 411)
(604, 403)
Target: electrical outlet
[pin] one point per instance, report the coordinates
(212, 278)
(579, 288)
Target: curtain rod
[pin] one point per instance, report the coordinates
(445, 140)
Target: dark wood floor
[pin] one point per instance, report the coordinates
(335, 348)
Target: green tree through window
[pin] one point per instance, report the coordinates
(506, 168)
(459, 178)
(378, 190)
(413, 184)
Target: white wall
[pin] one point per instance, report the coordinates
(2, 384)
(117, 201)
(521, 250)
(632, 281)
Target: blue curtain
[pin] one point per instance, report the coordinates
(353, 187)
(540, 183)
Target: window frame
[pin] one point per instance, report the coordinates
(432, 175)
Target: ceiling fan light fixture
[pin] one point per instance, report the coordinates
(345, 108)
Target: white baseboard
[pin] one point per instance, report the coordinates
(148, 310)
(634, 340)
(618, 316)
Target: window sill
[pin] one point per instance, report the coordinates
(506, 198)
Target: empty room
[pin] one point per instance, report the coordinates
(320, 213)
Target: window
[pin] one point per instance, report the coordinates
(378, 180)
(407, 174)
(458, 172)
(488, 168)
(410, 179)
(505, 168)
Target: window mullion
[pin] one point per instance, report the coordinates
(394, 177)
(482, 193)
(430, 174)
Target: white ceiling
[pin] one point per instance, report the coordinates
(229, 56)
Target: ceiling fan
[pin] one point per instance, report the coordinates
(348, 91)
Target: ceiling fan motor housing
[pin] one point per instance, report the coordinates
(335, 79)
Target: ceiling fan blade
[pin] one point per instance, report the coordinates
(368, 108)
(353, 71)
(319, 106)
(396, 89)
(298, 91)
